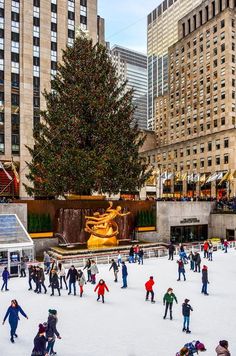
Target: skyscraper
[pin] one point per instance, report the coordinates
(32, 34)
(162, 32)
(132, 66)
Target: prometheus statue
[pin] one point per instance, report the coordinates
(103, 228)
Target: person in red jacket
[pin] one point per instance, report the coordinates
(101, 286)
(148, 285)
(206, 248)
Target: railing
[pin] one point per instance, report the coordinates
(153, 252)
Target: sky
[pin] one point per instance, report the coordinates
(126, 21)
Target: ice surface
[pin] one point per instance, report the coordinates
(127, 325)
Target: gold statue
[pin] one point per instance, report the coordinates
(103, 228)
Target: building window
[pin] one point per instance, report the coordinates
(222, 23)
(226, 142)
(217, 160)
(223, 121)
(209, 146)
(209, 161)
(218, 145)
(226, 159)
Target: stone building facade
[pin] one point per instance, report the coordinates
(32, 34)
(195, 120)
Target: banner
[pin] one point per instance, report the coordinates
(7, 174)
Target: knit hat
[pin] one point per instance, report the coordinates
(223, 343)
(200, 347)
(169, 290)
(151, 277)
(186, 301)
(52, 311)
(204, 267)
(42, 329)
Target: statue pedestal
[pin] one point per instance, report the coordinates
(95, 242)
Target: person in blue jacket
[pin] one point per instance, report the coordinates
(5, 277)
(12, 313)
(124, 274)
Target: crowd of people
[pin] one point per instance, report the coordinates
(68, 280)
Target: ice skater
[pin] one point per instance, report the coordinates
(72, 275)
(197, 262)
(168, 300)
(124, 274)
(223, 348)
(181, 270)
(205, 249)
(140, 256)
(191, 259)
(55, 283)
(115, 269)
(186, 309)
(210, 251)
(51, 331)
(5, 278)
(171, 249)
(101, 287)
(23, 266)
(81, 282)
(87, 266)
(40, 342)
(226, 245)
(119, 259)
(13, 317)
(31, 275)
(62, 275)
(149, 289)
(205, 281)
(94, 270)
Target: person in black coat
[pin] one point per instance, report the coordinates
(131, 255)
(140, 256)
(40, 342)
(197, 261)
(31, 271)
(205, 281)
(73, 276)
(171, 249)
(51, 331)
(186, 308)
(87, 266)
(55, 282)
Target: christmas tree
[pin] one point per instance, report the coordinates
(87, 140)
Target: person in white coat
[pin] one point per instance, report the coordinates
(94, 270)
(81, 281)
(62, 275)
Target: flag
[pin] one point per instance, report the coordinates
(184, 176)
(7, 174)
(212, 177)
(225, 177)
(202, 178)
(196, 178)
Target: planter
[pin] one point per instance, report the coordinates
(41, 235)
(145, 228)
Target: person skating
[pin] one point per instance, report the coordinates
(87, 266)
(94, 270)
(55, 282)
(13, 317)
(119, 259)
(51, 331)
(171, 250)
(23, 266)
(131, 255)
(81, 282)
(210, 251)
(40, 277)
(223, 348)
(191, 348)
(186, 309)
(72, 275)
(181, 270)
(31, 275)
(191, 259)
(62, 275)
(124, 274)
(47, 262)
(101, 287)
(149, 289)
(197, 262)
(168, 300)
(136, 252)
(5, 278)
(115, 269)
(226, 244)
(140, 256)
(205, 281)
(40, 342)
(205, 249)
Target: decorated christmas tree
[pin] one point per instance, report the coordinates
(87, 140)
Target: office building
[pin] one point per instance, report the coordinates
(196, 118)
(32, 34)
(132, 66)
(162, 32)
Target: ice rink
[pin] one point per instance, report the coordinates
(127, 325)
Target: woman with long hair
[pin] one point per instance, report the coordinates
(13, 317)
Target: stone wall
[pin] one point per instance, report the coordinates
(175, 213)
(220, 223)
(19, 209)
(148, 236)
(44, 244)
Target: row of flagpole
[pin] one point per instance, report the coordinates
(202, 178)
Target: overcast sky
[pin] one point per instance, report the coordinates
(126, 21)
